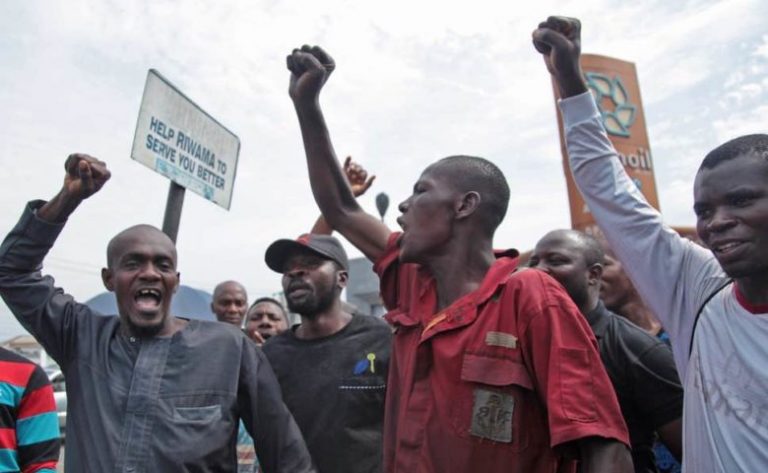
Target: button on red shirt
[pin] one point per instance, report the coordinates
(494, 381)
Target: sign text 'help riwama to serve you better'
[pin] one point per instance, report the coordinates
(179, 140)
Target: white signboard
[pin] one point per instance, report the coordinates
(179, 140)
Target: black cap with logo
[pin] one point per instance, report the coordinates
(324, 245)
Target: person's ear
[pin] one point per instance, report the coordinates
(595, 274)
(341, 278)
(468, 204)
(107, 277)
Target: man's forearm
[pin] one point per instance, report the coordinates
(321, 227)
(329, 186)
(59, 208)
(600, 455)
(672, 436)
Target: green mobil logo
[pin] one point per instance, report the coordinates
(613, 102)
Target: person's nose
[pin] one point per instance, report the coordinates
(721, 220)
(149, 272)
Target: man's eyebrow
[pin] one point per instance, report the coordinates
(699, 204)
(137, 255)
(739, 191)
(131, 255)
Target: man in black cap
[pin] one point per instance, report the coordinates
(333, 366)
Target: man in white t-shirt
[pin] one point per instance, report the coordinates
(713, 303)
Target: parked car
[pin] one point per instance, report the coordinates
(60, 397)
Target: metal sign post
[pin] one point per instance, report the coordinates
(173, 207)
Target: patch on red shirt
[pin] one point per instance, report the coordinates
(492, 415)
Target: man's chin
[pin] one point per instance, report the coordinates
(406, 256)
(233, 321)
(303, 309)
(742, 269)
(411, 254)
(300, 305)
(146, 328)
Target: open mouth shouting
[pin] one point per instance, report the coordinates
(148, 300)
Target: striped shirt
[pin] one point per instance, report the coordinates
(29, 427)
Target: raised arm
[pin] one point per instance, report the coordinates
(634, 229)
(310, 68)
(44, 310)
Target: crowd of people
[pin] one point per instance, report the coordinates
(637, 350)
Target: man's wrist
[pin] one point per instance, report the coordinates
(59, 208)
(307, 106)
(310, 117)
(572, 84)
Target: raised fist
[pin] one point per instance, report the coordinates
(310, 67)
(85, 175)
(559, 40)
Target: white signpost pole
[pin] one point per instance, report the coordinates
(178, 139)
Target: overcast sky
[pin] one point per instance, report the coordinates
(415, 81)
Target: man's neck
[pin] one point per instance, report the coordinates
(590, 304)
(754, 289)
(323, 324)
(170, 327)
(460, 271)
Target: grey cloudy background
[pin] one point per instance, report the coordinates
(415, 81)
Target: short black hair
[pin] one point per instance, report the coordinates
(271, 301)
(481, 176)
(742, 146)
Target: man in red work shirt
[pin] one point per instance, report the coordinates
(492, 370)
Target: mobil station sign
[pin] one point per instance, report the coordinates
(178, 139)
